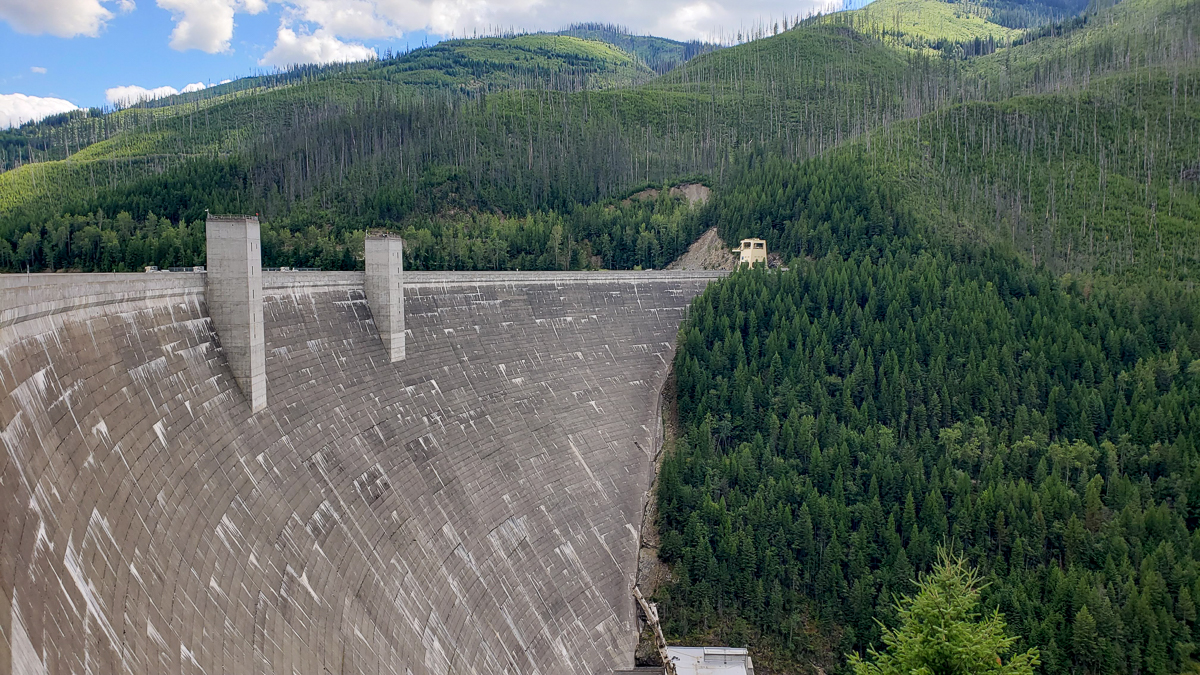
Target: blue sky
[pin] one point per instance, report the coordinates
(56, 54)
(133, 49)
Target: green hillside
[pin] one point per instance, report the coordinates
(924, 24)
(524, 61)
(497, 127)
(1102, 180)
(459, 66)
(896, 391)
(322, 150)
(232, 120)
(659, 54)
(988, 340)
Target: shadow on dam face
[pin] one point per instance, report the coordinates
(472, 509)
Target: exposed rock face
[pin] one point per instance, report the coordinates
(708, 252)
(697, 194)
(472, 509)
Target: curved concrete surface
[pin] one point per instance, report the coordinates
(473, 509)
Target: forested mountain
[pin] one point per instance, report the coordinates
(895, 391)
(473, 66)
(981, 343)
(418, 142)
(659, 54)
(439, 137)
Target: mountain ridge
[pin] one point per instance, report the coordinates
(357, 151)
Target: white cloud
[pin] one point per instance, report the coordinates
(324, 31)
(321, 31)
(64, 18)
(334, 22)
(679, 19)
(131, 94)
(206, 25)
(16, 109)
(692, 19)
(37, 69)
(362, 19)
(320, 47)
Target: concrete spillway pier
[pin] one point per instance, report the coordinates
(473, 508)
(384, 285)
(235, 300)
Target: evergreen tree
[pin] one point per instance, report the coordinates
(941, 631)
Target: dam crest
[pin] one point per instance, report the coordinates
(464, 497)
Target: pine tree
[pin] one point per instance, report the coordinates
(1084, 639)
(942, 633)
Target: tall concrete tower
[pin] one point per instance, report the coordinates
(235, 302)
(385, 291)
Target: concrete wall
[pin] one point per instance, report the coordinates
(235, 300)
(472, 509)
(384, 263)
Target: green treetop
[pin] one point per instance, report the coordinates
(941, 633)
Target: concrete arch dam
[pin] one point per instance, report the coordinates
(474, 508)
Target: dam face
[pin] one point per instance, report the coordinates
(474, 508)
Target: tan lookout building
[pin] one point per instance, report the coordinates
(752, 251)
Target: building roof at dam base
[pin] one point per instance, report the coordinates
(702, 661)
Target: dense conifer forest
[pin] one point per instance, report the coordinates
(894, 391)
